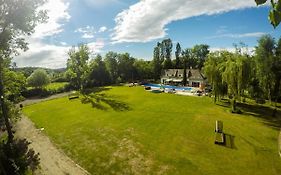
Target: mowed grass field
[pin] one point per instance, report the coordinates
(126, 130)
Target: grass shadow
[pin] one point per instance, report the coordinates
(95, 103)
(102, 101)
(269, 115)
(95, 90)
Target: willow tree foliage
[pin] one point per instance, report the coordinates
(245, 73)
(213, 68)
(230, 77)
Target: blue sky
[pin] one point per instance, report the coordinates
(136, 26)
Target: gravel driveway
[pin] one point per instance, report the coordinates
(52, 160)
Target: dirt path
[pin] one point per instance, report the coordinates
(52, 160)
(37, 100)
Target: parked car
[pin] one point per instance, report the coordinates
(198, 93)
(169, 90)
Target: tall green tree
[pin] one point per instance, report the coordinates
(200, 53)
(186, 60)
(126, 67)
(276, 69)
(98, 74)
(77, 66)
(264, 59)
(167, 46)
(157, 66)
(178, 54)
(112, 65)
(188, 57)
(15, 84)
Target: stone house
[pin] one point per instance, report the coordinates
(175, 77)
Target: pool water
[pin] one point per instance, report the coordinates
(169, 87)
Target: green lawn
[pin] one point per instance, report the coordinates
(56, 85)
(131, 131)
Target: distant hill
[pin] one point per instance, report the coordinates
(27, 71)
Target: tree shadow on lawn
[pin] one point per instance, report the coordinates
(99, 100)
(269, 115)
(95, 90)
(262, 112)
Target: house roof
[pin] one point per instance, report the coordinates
(191, 73)
(195, 74)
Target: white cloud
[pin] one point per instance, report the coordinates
(50, 56)
(87, 36)
(88, 32)
(146, 20)
(102, 29)
(57, 13)
(63, 43)
(97, 46)
(42, 54)
(242, 35)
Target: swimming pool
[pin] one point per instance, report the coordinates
(169, 87)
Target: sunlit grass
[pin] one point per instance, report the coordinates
(123, 130)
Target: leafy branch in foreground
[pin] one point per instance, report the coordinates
(275, 12)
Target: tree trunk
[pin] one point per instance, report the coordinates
(3, 105)
(234, 105)
(276, 89)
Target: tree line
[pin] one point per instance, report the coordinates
(83, 71)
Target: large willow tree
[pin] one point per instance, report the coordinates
(213, 68)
